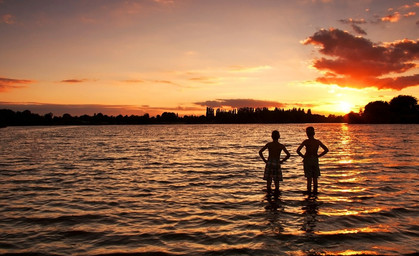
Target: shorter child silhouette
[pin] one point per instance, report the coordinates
(273, 164)
(311, 158)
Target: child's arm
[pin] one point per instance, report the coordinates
(325, 149)
(299, 149)
(261, 152)
(287, 156)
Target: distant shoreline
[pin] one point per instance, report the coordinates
(240, 116)
(402, 109)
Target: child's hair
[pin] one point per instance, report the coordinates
(275, 135)
(310, 131)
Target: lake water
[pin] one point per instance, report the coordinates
(198, 190)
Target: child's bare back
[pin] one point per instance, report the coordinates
(312, 147)
(274, 149)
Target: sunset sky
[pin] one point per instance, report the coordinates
(155, 56)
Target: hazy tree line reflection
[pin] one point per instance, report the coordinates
(401, 109)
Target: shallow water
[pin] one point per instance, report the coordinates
(198, 190)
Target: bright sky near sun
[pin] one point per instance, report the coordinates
(155, 56)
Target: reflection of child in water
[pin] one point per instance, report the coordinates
(273, 164)
(311, 158)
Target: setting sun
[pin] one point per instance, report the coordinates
(345, 107)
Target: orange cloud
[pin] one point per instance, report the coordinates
(409, 14)
(357, 62)
(8, 19)
(135, 81)
(166, 82)
(156, 81)
(8, 83)
(406, 6)
(394, 17)
(74, 80)
(395, 83)
(204, 79)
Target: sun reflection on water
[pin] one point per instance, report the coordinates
(352, 252)
(346, 212)
(379, 228)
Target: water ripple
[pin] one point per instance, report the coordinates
(198, 190)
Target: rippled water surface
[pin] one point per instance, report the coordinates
(198, 190)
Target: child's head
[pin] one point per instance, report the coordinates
(275, 135)
(310, 131)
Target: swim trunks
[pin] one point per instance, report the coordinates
(311, 167)
(273, 170)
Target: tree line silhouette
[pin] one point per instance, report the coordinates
(242, 115)
(401, 109)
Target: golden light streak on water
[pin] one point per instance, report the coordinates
(347, 212)
(379, 228)
(351, 252)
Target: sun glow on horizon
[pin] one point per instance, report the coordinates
(345, 107)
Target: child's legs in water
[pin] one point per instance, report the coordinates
(315, 184)
(269, 184)
(309, 180)
(276, 185)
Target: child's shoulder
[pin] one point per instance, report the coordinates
(311, 141)
(267, 145)
(316, 142)
(274, 143)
